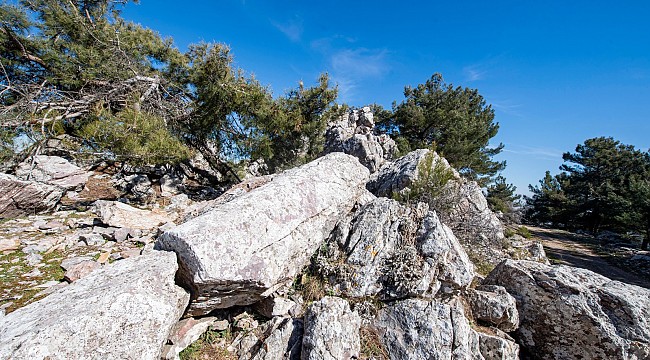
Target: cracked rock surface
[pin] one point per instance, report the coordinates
(241, 251)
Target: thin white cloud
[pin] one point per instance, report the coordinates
(506, 106)
(349, 67)
(361, 63)
(292, 29)
(535, 152)
(474, 73)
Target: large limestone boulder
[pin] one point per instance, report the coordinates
(352, 133)
(419, 329)
(331, 331)
(53, 170)
(492, 304)
(123, 311)
(242, 250)
(573, 313)
(393, 251)
(22, 198)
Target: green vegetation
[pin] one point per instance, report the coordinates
(501, 195)
(371, 345)
(76, 68)
(114, 90)
(455, 120)
(211, 345)
(14, 286)
(433, 176)
(524, 232)
(604, 185)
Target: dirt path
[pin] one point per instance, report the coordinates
(570, 249)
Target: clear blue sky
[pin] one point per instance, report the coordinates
(556, 72)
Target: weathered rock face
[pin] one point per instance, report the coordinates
(241, 250)
(331, 331)
(53, 170)
(278, 339)
(393, 251)
(352, 134)
(493, 305)
(397, 176)
(122, 311)
(419, 329)
(115, 213)
(22, 198)
(460, 203)
(572, 313)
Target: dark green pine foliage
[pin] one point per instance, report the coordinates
(454, 120)
(501, 195)
(77, 68)
(598, 183)
(605, 185)
(548, 203)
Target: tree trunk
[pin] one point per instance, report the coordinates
(646, 238)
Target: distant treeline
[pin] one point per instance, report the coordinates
(604, 185)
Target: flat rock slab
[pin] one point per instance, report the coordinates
(238, 252)
(123, 311)
(22, 198)
(573, 313)
(53, 170)
(120, 215)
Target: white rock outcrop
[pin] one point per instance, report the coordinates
(123, 311)
(242, 250)
(492, 304)
(416, 329)
(353, 134)
(393, 251)
(573, 313)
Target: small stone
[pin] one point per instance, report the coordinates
(219, 325)
(245, 322)
(121, 234)
(35, 248)
(92, 239)
(51, 225)
(130, 253)
(33, 273)
(9, 244)
(103, 258)
(184, 333)
(80, 270)
(33, 259)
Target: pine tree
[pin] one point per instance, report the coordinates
(548, 203)
(77, 68)
(456, 121)
(501, 195)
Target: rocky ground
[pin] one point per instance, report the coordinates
(323, 261)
